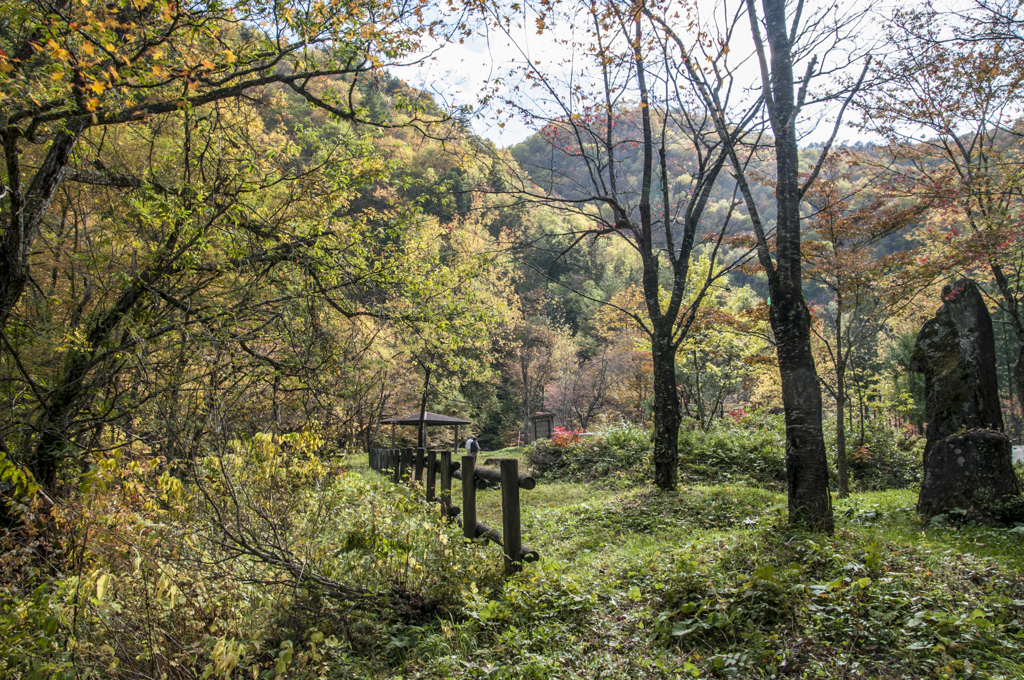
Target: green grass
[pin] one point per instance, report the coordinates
(710, 582)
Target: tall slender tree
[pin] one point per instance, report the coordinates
(631, 153)
(786, 35)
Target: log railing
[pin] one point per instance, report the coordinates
(408, 465)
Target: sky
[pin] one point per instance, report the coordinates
(458, 74)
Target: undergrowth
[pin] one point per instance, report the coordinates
(747, 449)
(267, 562)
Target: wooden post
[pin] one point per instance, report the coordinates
(511, 530)
(431, 475)
(392, 436)
(446, 482)
(418, 465)
(455, 447)
(406, 464)
(468, 497)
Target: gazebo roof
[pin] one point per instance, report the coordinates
(428, 419)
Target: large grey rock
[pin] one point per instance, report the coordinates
(967, 458)
(956, 352)
(970, 471)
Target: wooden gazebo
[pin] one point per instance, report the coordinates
(429, 420)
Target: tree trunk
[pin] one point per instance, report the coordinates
(810, 505)
(666, 410)
(71, 394)
(841, 463)
(422, 432)
(844, 474)
(28, 208)
(1018, 376)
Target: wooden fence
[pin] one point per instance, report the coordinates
(408, 465)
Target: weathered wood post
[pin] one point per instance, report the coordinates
(446, 482)
(406, 464)
(418, 465)
(469, 496)
(431, 475)
(396, 468)
(511, 529)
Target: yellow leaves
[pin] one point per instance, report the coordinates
(159, 71)
(207, 64)
(88, 49)
(230, 57)
(102, 584)
(97, 87)
(168, 12)
(6, 66)
(92, 104)
(57, 51)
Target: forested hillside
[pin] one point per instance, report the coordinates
(235, 241)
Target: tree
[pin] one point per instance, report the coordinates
(536, 348)
(950, 108)
(784, 36)
(195, 243)
(583, 386)
(719, 359)
(840, 256)
(70, 67)
(630, 153)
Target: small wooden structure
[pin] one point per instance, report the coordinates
(541, 426)
(429, 420)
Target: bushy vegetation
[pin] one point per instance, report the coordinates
(268, 562)
(749, 449)
(887, 458)
(619, 453)
(740, 449)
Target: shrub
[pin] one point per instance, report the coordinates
(616, 452)
(269, 562)
(745, 448)
(887, 459)
(751, 448)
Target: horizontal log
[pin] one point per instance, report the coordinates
(455, 465)
(453, 511)
(484, 531)
(493, 477)
(480, 484)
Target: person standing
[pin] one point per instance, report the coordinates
(472, 445)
